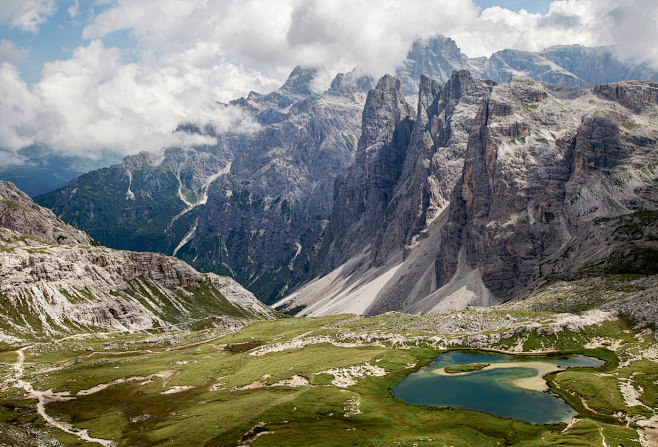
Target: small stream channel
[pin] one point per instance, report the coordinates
(510, 387)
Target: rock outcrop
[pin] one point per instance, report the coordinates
(51, 286)
(362, 195)
(550, 184)
(18, 212)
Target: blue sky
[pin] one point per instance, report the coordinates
(540, 6)
(85, 75)
(58, 36)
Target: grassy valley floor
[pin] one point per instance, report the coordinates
(322, 382)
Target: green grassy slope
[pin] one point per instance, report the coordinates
(288, 383)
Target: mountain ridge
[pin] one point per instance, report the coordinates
(565, 65)
(258, 206)
(549, 176)
(56, 280)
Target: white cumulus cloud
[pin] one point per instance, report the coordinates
(630, 26)
(26, 15)
(94, 101)
(11, 53)
(74, 9)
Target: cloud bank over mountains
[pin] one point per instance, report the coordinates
(188, 54)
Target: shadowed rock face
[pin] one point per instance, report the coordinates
(406, 167)
(434, 158)
(362, 195)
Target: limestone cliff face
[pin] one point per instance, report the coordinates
(434, 159)
(362, 195)
(436, 57)
(502, 186)
(51, 286)
(390, 200)
(278, 190)
(405, 168)
(549, 178)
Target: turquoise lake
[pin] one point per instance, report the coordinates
(491, 390)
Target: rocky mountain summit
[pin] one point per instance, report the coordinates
(52, 282)
(242, 207)
(566, 65)
(498, 187)
(273, 107)
(277, 191)
(360, 196)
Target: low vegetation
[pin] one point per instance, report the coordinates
(465, 368)
(529, 107)
(629, 125)
(326, 382)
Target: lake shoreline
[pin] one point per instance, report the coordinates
(513, 386)
(535, 383)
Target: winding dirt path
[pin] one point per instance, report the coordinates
(45, 397)
(603, 440)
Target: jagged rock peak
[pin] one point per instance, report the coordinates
(354, 80)
(385, 107)
(436, 44)
(499, 186)
(19, 213)
(390, 84)
(571, 65)
(436, 57)
(300, 80)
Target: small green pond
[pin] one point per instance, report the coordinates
(498, 389)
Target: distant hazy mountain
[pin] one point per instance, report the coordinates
(573, 65)
(41, 170)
